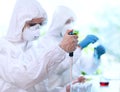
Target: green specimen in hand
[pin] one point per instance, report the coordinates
(75, 32)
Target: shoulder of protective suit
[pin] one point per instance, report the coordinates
(5, 46)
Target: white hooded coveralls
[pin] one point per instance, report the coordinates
(21, 66)
(53, 37)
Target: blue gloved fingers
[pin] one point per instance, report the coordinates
(87, 40)
(93, 38)
(98, 51)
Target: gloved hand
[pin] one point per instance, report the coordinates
(80, 79)
(87, 40)
(82, 87)
(69, 42)
(98, 51)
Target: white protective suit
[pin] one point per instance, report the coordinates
(21, 67)
(53, 37)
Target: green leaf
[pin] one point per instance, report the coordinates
(83, 73)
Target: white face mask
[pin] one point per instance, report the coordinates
(67, 27)
(32, 33)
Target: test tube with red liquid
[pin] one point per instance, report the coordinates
(104, 82)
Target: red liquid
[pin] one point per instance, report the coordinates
(103, 84)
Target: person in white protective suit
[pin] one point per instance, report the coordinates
(62, 20)
(21, 66)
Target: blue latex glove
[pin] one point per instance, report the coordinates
(98, 51)
(87, 40)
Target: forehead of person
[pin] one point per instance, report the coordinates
(61, 16)
(25, 11)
